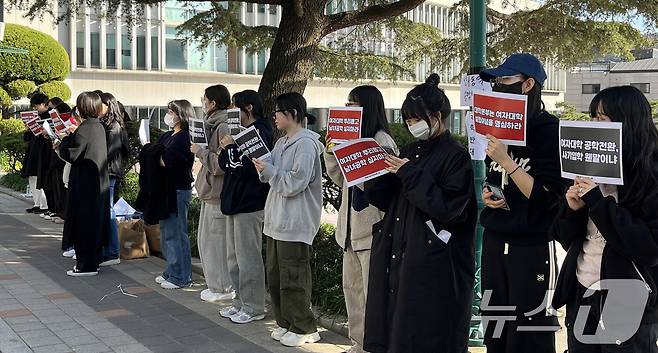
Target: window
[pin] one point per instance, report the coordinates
(591, 88)
(250, 8)
(643, 87)
(111, 50)
(80, 49)
(126, 61)
(175, 51)
(221, 58)
(261, 62)
(95, 49)
(141, 52)
(154, 54)
(273, 9)
(250, 63)
(261, 8)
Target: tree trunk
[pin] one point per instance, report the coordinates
(291, 57)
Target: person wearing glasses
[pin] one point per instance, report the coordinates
(518, 256)
(356, 216)
(292, 219)
(212, 223)
(611, 233)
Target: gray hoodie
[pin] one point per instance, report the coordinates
(294, 203)
(210, 179)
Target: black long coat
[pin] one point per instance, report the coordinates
(88, 211)
(420, 287)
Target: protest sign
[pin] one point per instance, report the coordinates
(344, 124)
(27, 116)
(251, 144)
(234, 124)
(501, 115)
(144, 131)
(59, 121)
(34, 125)
(198, 133)
(592, 149)
(469, 85)
(49, 131)
(361, 160)
(477, 145)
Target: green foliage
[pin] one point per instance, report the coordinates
(20, 88)
(5, 99)
(14, 181)
(12, 151)
(47, 60)
(327, 272)
(11, 125)
(56, 89)
(569, 112)
(129, 188)
(401, 134)
(193, 224)
(654, 108)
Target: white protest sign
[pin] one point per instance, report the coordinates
(470, 84)
(477, 145)
(144, 131)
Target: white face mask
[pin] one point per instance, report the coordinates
(420, 130)
(169, 120)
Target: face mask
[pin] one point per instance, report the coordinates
(420, 130)
(515, 88)
(169, 120)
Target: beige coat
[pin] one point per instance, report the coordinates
(210, 179)
(360, 222)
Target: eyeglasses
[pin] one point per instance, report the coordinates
(352, 104)
(500, 81)
(278, 111)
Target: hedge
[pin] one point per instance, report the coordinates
(20, 88)
(46, 60)
(56, 89)
(11, 125)
(14, 181)
(12, 151)
(5, 99)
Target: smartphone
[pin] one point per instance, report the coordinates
(497, 194)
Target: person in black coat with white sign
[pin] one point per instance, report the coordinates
(611, 235)
(422, 262)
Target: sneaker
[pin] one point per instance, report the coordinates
(243, 318)
(75, 273)
(74, 257)
(43, 213)
(278, 333)
(159, 280)
(59, 220)
(110, 262)
(69, 253)
(355, 349)
(32, 210)
(291, 339)
(48, 217)
(169, 285)
(210, 296)
(228, 311)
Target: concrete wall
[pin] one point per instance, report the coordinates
(575, 81)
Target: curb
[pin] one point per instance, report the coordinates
(334, 324)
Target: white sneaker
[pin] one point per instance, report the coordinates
(42, 215)
(243, 318)
(75, 273)
(159, 280)
(48, 217)
(355, 349)
(169, 285)
(291, 339)
(69, 253)
(74, 257)
(110, 262)
(210, 296)
(228, 311)
(278, 333)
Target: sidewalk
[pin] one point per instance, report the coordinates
(44, 310)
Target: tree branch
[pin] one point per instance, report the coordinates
(369, 14)
(265, 2)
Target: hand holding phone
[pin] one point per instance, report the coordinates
(494, 197)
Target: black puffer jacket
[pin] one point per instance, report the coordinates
(118, 149)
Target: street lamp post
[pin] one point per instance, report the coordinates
(478, 61)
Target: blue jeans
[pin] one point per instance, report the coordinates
(111, 250)
(175, 242)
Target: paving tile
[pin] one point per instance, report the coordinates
(92, 348)
(115, 313)
(57, 296)
(15, 313)
(82, 339)
(57, 348)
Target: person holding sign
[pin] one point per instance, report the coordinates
(212, 223)
(611, 232)
(292, 219)
(118, 152)
(356, 216)
(521, 199)
(243, 201)
(36, 144)
(177, 161)
(87, 214)
(422, 264)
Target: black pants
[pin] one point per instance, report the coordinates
(645, 339)
(55, 191)
(519, 277)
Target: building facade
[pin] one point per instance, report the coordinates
(585, 81)
(148, 65)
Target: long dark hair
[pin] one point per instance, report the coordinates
(629, 106)
(295, 104)
(114, 113)
(374, 114)
(183, 108)
(220, 95)
(425, 101)
(250, 97)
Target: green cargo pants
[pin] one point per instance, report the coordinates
(289, 283)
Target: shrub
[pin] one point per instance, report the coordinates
(14, 181)
(20, 88)
(193, 224)
(11, 125)
(5, 99)
(56, 89)
(12, 151)
(327, 272)
(45, 61)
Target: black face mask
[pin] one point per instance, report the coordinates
(515, 88)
